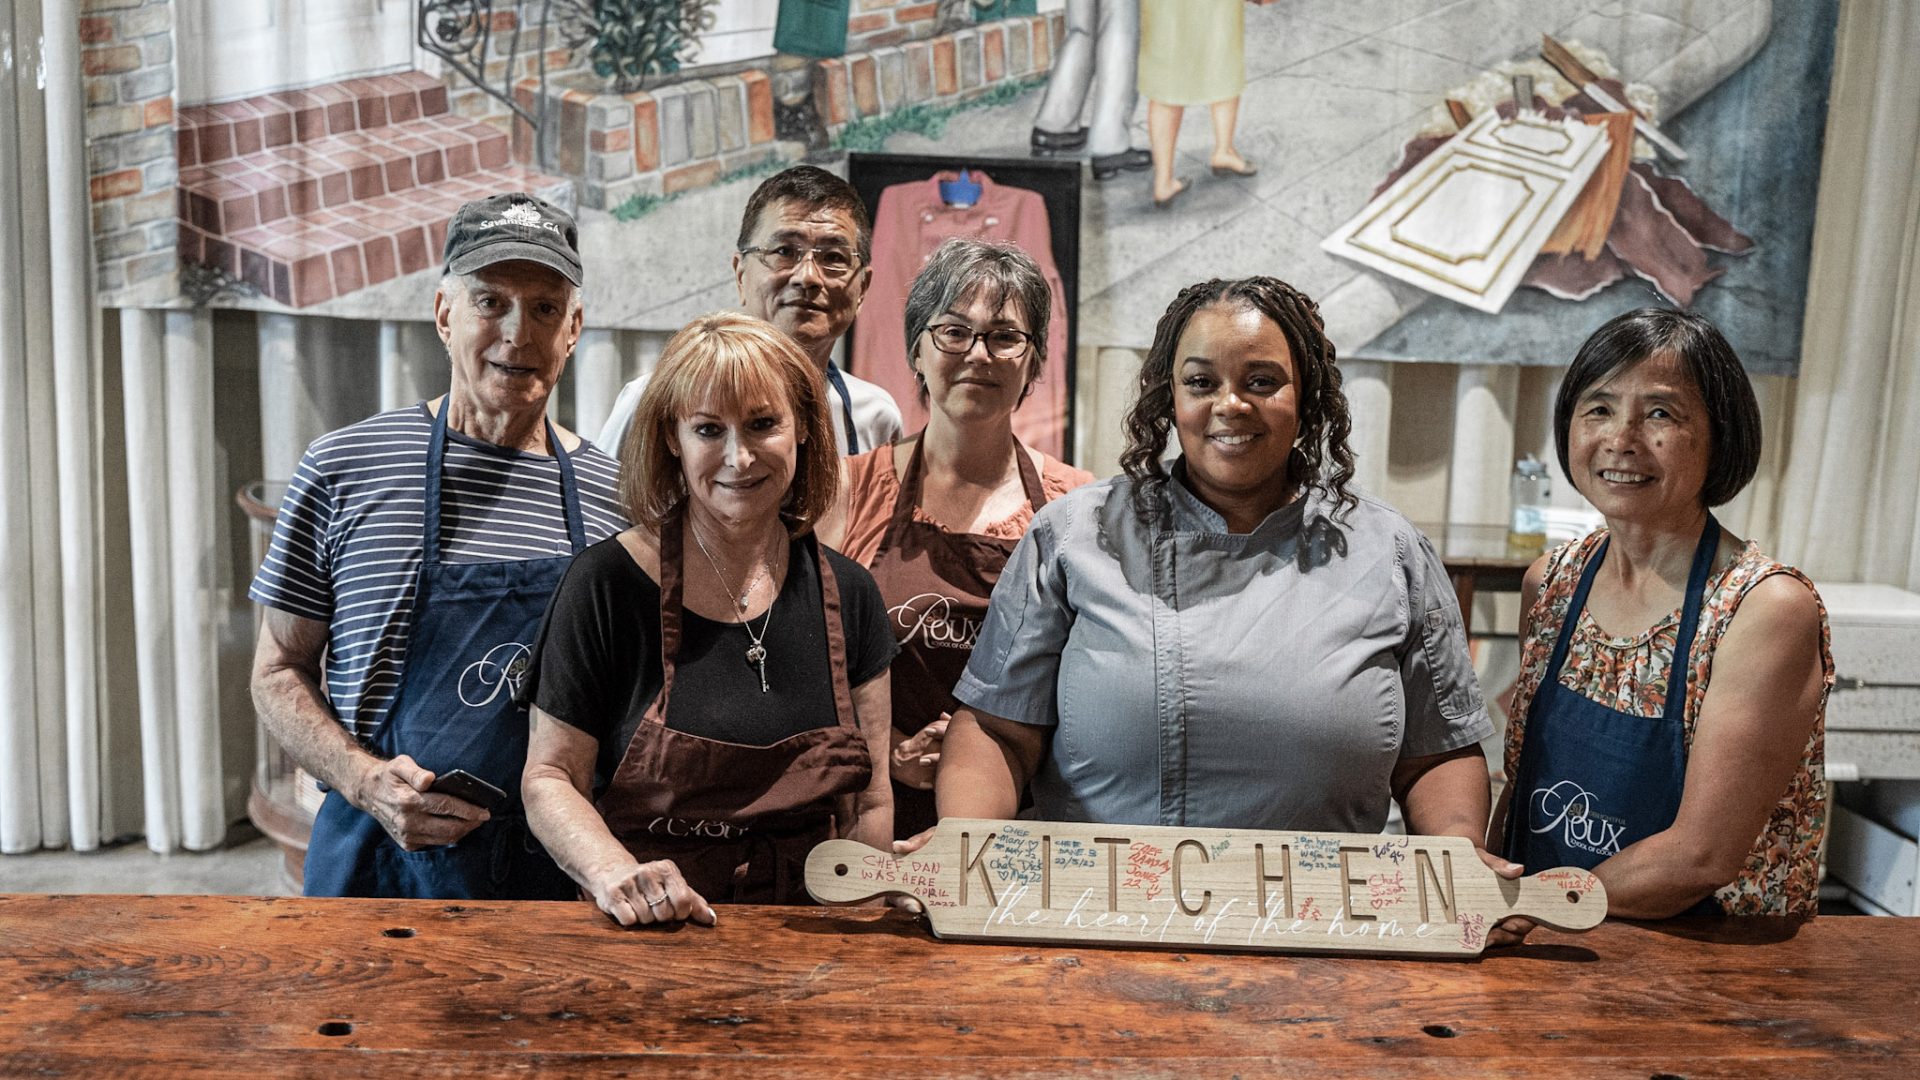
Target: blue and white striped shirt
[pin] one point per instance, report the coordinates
(347, 546)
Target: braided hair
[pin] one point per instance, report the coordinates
(1320, 456)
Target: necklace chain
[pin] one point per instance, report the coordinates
(746, 590)
(756, 652)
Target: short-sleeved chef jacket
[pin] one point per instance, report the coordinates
(1269, 680)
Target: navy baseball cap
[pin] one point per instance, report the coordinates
(503, 228)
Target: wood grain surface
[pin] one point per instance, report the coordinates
(1208, 889)
(222, 986)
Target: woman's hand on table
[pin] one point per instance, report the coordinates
(1513, 929)
(645, 893)
(917, 757)
(907, 847)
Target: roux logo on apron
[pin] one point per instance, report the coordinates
(1569, 807)
(683, 828)
(929, 620)
(502, 669)
(947, 579)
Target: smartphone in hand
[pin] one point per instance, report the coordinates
(462, 784)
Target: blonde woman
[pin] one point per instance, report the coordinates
(710, 688)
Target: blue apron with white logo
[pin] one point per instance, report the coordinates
(467, 650)
(1594, 780)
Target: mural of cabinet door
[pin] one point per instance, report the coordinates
(1468, 220)
(232, 50)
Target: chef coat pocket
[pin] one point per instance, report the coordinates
(1443, 641)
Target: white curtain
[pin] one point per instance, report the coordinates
(1849, 502)
(112, 538)
(51, 735)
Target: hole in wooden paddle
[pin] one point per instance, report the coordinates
(397, 932)
(1440, 1031)
(336, 1027)
(1572, 897)
(840, 869)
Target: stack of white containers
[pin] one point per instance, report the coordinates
(1873, 736)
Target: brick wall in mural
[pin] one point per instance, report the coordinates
(127, 62)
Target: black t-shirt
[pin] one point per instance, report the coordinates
(596, 664)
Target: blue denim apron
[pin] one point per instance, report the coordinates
(467, 650)
(1593, 780)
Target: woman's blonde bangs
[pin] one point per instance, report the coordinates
(727, 363)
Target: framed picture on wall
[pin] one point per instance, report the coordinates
(919, 201)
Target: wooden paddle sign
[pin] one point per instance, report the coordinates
(1156, 885)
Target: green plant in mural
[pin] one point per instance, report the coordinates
(633, 39)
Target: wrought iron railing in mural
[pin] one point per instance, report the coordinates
(630, 40)
(461, 33)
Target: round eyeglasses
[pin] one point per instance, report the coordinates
(958, 338)
(831, 262)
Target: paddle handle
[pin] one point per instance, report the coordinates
(849, 872)
(1564, 898)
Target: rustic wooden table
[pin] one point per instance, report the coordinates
(219, 986)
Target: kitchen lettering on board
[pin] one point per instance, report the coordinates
(1226, 889)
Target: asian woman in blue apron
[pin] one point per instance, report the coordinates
(1689, 798)
(1594, 780)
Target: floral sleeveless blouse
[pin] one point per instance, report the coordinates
(1630, 675)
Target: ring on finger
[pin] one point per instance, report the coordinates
(656, 901)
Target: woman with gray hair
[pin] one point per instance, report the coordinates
(935, 516)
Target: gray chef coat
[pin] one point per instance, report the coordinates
(1269, 680)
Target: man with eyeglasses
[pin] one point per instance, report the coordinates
(803, 262)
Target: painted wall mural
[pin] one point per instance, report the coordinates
(1474, 180)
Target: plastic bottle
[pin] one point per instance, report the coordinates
(1527, 529)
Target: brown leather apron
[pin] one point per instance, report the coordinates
(737, 820)
(936, 585)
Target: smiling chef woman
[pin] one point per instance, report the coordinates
(1240, 641)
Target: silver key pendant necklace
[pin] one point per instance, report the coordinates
(756, 652)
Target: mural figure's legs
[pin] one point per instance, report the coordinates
(1101, 53)
(1116, 61)
(1192, 52)
(1226, 160)
(1163, 131)
(1056, 127)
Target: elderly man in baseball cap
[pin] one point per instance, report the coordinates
(411, 562)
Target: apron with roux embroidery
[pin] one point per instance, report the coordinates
(737, 820)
